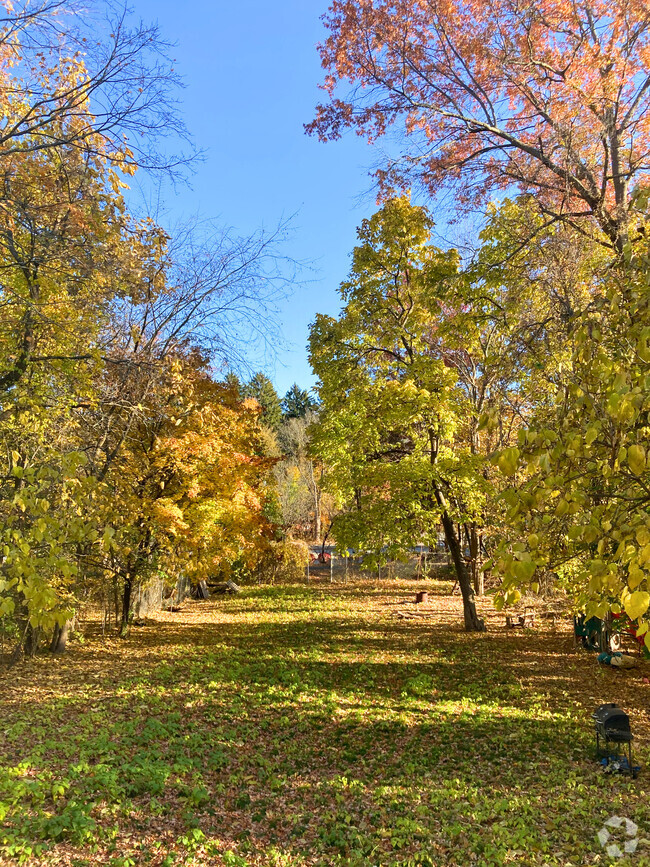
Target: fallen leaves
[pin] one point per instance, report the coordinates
(297, 726)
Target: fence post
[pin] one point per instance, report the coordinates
(331, 567)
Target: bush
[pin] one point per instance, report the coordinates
(285, 560)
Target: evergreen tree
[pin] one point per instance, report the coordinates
(233, 382)
(297, 402)
(263, 391)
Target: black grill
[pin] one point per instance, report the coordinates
(613, 726)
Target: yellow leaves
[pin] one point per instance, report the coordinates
(636, 604)
(644, 555)
(169, 516)
(636, 459)
(562, 508)
(621, 407)
(635, 575)
(642, 347)
(643, 536)
(508, 461)
(524, 570)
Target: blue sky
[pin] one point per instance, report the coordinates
(251, 72)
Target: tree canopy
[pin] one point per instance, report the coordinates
(550, 97)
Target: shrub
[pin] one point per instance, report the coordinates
(285, 560)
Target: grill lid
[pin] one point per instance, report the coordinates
(612, 723)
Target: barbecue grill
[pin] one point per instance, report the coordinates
(613, 726)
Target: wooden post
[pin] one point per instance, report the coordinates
(331, 567)
(346, 565)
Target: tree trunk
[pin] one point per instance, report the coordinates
(317, 523)
(475, 561)
(116, 603)
(19, 647)
(60, 637)
(32, 638)
(317, 498)
(126, 604)
(473, 622)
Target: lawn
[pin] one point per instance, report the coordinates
(315, 725)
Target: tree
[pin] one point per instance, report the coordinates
(508, 331)
(61, 226)
(152, 331)
(97, 309)
(233, 382)
(578, 501)
(187, 492)
(300, 474)
(89, 79)
(391, 406)
(552, 98)
(297, 402)
(261, 389)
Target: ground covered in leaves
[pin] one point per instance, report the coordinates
(316, 725)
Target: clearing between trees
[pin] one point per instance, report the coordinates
(314, 725)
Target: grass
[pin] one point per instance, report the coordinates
(315, 725)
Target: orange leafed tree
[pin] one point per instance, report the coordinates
(551, 96)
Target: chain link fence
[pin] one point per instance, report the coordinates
(339, 568)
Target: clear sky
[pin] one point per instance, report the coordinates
(251, 72)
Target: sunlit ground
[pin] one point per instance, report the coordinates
(325, 724)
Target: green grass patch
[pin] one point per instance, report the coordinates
(306, 725)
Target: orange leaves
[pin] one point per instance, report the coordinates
(496, 94)
(201, 488)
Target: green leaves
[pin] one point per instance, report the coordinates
(393, 427)
(508, 461)
(583, 503)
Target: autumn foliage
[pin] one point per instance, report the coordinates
(123, 457)
(549, 96)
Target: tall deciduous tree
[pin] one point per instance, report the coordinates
(187, 489)
(390, 405)
(552, 97)
(578, 500)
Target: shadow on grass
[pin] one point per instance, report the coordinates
(354, 741)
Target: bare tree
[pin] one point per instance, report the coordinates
(92, 76)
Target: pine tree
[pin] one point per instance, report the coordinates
(297, 402)
(263, 391)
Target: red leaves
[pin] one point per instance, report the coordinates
(553, 96)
